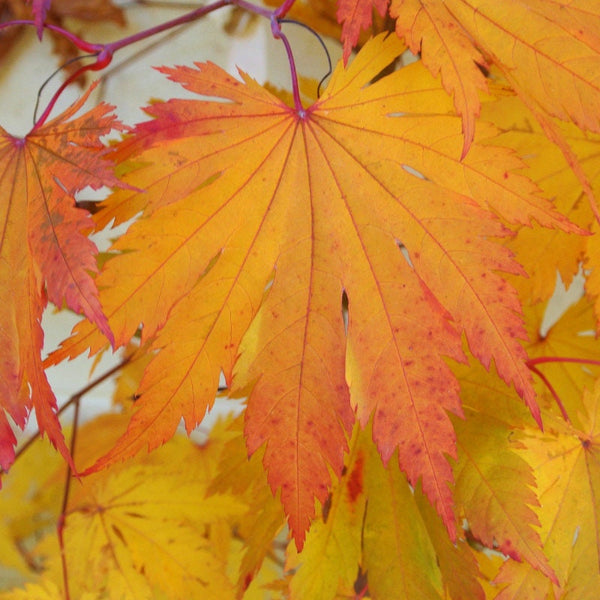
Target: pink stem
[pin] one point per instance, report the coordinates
(104, 52)
(563, 359)
(77, 41)
(44, 116)
(278, 34)
(550, 387)
(283, 9)
(187, 18)
(532, 362)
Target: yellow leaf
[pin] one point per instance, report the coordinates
(141, 527)
(543, 251)
(46, 590)
(569, 338)
(567, 468)
(328, 564)
(430, 28)
(398, 555)
(245, 478)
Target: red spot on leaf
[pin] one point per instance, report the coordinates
(355, 481)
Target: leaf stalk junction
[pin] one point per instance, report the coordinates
(102, 54)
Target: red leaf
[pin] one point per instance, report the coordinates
(42, 245)
(356, 15)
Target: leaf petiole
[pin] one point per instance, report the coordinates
(103, 53)
(532, 362)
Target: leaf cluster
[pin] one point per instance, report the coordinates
(370, 272)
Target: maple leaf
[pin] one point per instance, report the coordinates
(356, 15)
(258, 219)
(430, 29)
(398, 554)
(245, 477)
(569, 337)
(534, 246)
(45, 254)
(328, 564)
(547, 61)
(496, 497)
(457, 562)
(566, 463)
(45, 590)
(139, 529)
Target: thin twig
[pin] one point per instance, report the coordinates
(60, 526)
(73, 399)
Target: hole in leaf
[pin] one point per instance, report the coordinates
(345, 311)
(405, 253)
(413, 171)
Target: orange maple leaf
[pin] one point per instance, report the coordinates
(430, 29)
(546, 50)
(45, 254)
(259, 218)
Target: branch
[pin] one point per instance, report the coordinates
(74, 399)
(103, 53)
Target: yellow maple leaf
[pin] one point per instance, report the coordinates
(139, 528)
(541, 251)
(398, 554)
(548, 51)
(569, 338)
(245, 478)
(327, 567)
(566, 464)
(45, 590)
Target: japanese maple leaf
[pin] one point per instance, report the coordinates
(44, 254)
(546, 50)
(357, 15)
(493, 489)
(258, 219)
(566, 464)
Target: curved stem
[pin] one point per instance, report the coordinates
(551, 389)
(532, 362)
(279, 35)
(563, 359)
(146, 33)
(68, 81)
(320, 39)
(284, 9)
(103, 53)
(76, 40)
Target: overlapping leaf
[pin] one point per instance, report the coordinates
(45, 254)
(494, 486)
(570, 339)
(549, 51)
(357, 15)
(258, 218)
(327, 567)
(566, 464)
(548, 168)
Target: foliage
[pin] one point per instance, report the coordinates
(370, 271)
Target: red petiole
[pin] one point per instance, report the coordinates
(532, 362)
(103, 53)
